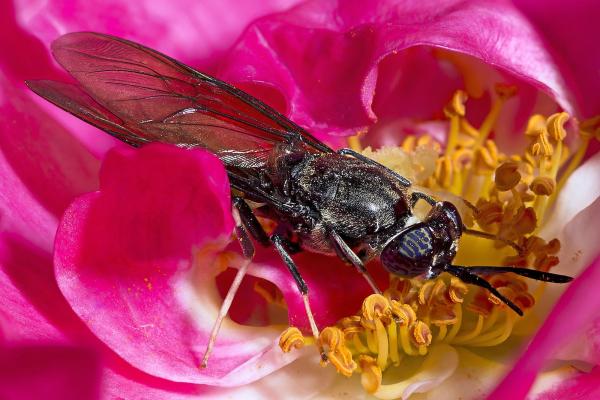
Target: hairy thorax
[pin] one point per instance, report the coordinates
(355, 199)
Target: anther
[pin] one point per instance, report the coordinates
(405, 313)
(543, 185)
(507, 176)
(456, 107)
(421, 333)
(351, 325)
(375, 307)
(338, 354)
(556, 125)
(526, 221)
(291, 339)
(457, 290)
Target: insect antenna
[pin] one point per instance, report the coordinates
(465, 275)
(526, 272)
(469, 275)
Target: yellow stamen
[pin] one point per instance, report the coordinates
(392, 331)
(371, 374)
(503, 92)
(360, 347)
(455, 111)
(465, 338)
(382, 342)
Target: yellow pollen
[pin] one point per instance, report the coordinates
(511, 194)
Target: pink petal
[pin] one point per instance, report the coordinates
(187, 31)
(580, 386)
(324, 55)
(52, 373)
(33, 308)
(574, 311)
(42, 167)
(122, 261)
(570, 32)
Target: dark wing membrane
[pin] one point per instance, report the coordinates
(74, 100)
(141, 96)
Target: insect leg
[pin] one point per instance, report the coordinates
(248, 252)
(467, 276)
(250, 221)
(416, 196)
(346, 253)
(278, 243)
(358, 156)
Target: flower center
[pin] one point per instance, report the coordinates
(506, 196)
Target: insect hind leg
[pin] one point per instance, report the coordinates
(248, 251)
(248, 225)
(278, 242)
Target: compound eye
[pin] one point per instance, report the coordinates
(410, 253)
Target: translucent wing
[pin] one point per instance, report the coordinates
(141, 96)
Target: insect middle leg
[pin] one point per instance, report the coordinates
(345, 253)
(283, 247)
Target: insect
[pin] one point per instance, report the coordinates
(332, 202)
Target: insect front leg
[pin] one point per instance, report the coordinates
(345, 252)
(416, 196)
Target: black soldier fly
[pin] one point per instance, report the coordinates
(332, 202)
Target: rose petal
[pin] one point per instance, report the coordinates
(122, 262)
(42, 166)
(334, 94)
(36, 372)
(33, 308)
(439, 364)
(302, 379)
(571, 384)
(473, 378)
(187, 31)
(571, 32)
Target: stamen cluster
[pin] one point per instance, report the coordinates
(506, 196)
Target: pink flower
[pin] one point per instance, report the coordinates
(123, 282)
